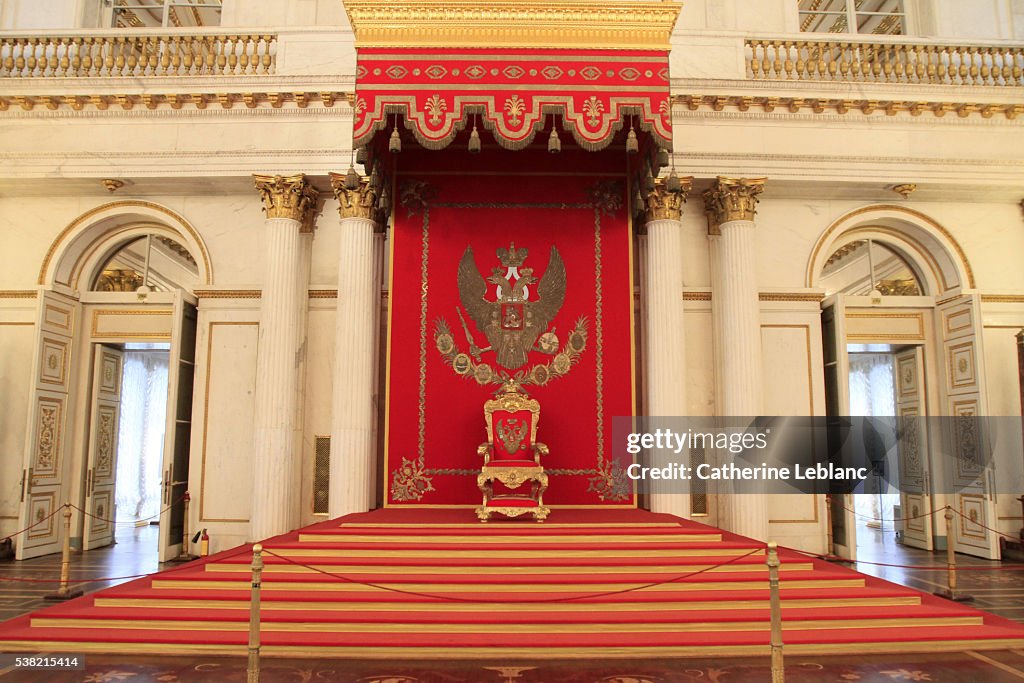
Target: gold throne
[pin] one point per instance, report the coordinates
(512, 479)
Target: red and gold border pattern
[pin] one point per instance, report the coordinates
(513, 91)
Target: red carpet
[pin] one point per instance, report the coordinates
(436, 584)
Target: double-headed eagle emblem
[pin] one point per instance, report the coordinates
(513, 322)
(513, 309)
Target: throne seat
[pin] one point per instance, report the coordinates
(512, 478)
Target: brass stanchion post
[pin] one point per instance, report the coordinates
(772, 560)
(253, 670)
(950, 592)
(64, 592)
(185, 555)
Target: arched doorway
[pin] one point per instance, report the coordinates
(117, 282)
(902, 330)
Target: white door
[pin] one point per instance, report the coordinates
(837, 405)
(44, 486)
(104, 419)
(912, 448)
(960, 329)
(178, 433)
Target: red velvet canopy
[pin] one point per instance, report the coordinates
(441, 91)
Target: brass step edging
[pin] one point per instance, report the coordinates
(521, 571)
(439, 588)
(433, 607)
(441, 653)
(534, 629)
(478, 539)
(511, 554)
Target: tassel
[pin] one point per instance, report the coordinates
(395, 142)
(662, 160)
(673, 183)
(474, 141)
(632, 145)
(638, 200)
(362, 156)
(554, 144)
(385, 198)
(351, 179)
(375, 181)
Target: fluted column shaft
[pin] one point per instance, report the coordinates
(289, 203)
(664, 334)
(352, 417)
(730, 206)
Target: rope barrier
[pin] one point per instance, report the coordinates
(418, 594)
(892, 521)
(99, 579)
(134, 523)
(922, 567)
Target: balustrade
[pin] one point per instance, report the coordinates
(884, 62)
(138, 55)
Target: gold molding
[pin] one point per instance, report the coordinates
(812, 297)
(323, 294)
(173, 101)
(228, 293)
(731, 199)
(988, 298)
(18, 294)
(118, 334)
(662, 203)
(795, 105)
(290, 197)
(512, 23)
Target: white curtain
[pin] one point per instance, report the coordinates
(141, 434)
(872, 393)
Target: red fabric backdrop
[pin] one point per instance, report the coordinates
(434, 416)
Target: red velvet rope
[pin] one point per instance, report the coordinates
(18, 533)
(676, 579)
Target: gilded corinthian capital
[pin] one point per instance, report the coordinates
(356, 196)
(288, 197)
(665, 201)
(731, 199)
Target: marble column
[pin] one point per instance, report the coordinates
(664, 332)
(353, 462)
(290, 205)
(730, 206)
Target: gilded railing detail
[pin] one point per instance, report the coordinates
(884, 62)
(140, 55)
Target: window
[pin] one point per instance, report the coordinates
(157, 13)
(880, 17)
(156, 261)
(864, 266)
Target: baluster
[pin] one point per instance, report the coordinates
(765, 62)
(76, 57)
(268, 59)
(787, 63)
(8, 51)
(122, 56)
(250, 55)
(974, 71)
(164, 47)
(1004, 66)
(233, 54)
(755, 63)
(929, 53)
(222, 58)
(986, 66)
(801, 63)
(1015, 56)
(942, 64)
(777, 65)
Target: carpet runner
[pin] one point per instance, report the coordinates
(433, 583)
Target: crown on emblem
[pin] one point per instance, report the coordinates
(512, 257)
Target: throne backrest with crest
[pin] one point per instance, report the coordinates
(512, 419)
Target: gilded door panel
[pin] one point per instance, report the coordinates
(46, 448)
(104, 421)
(915, 498)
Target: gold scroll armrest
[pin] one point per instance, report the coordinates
(484, 450)
(539, 449)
